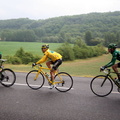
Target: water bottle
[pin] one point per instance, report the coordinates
(47, 75)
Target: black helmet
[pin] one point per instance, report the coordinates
(46, 46)
(112, 46)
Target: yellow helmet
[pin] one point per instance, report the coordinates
(46, 46)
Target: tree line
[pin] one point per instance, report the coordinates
(93, 28)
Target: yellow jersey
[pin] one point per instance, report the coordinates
(51, 55)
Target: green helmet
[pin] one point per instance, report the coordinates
(112, 46)
(46, 46)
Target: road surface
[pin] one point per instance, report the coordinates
(19, 102)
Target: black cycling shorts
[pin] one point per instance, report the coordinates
(56, 64)
(118, 65)
(0, 56)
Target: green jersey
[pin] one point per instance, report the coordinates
(115, 56)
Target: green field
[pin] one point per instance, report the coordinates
(83, 67)
(10, 48)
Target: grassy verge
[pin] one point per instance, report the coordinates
(84, 68)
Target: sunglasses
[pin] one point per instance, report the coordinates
(43, 48)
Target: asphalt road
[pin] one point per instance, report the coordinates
(19, 102)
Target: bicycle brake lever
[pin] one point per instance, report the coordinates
(108, 70)
(40, 65)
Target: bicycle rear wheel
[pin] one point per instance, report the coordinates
(65, 82)
(33, 81)
(101, 85)
(7, 77)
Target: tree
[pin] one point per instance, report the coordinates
(88, 37)
(80, 42)
(66, 51)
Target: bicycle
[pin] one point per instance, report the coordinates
(35, 79)
(7, 76)
(102, 85)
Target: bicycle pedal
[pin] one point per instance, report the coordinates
(51, 87)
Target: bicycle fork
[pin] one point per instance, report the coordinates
(104, 81)
(36, 76)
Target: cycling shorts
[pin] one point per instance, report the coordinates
(56, 64)
(118, 65)
(0, 56)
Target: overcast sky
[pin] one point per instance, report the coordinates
(43, 9)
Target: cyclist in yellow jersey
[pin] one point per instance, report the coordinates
(55, 59)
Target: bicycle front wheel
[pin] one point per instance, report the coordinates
(35, 80)
(7, 77)
(64, 82)
(101, 85)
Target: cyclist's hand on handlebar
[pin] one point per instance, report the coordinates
(34, 64)
(102, 68)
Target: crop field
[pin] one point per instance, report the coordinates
(83, 67)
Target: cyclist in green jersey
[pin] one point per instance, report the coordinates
(115, 56)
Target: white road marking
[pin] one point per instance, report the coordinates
(20, 84)
(36, 85)
(116, 92)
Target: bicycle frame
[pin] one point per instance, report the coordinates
(108, 72)
(40, 70)
(1, 67)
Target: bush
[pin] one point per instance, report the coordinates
(20, 53)
(14, 60)
(66, 51)
(88, 51)
(28, 57)
(36, 58)
(77, 51)
(25, 57)
(22, 57)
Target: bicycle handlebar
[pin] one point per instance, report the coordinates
(40, 65)
(107, 71)
(3, 60)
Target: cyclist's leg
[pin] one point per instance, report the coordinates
(51, 72)
(49, 64)
(56, 64)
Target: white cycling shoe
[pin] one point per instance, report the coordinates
(52, 86)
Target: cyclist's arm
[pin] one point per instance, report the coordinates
(112, 62)
(43, 59)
